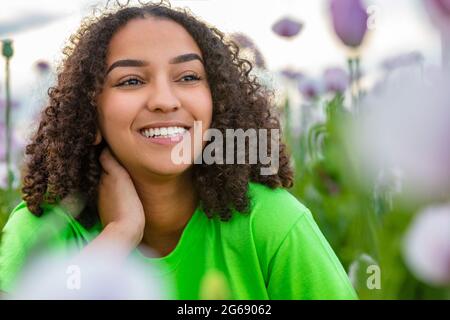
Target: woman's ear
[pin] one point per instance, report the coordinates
(98, 138)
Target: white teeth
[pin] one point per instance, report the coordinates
(163, 132)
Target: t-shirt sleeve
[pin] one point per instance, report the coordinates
(305, 266)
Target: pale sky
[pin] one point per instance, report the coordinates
(39, 29)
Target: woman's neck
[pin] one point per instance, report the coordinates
(168, 205)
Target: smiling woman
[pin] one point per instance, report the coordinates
(131, 87)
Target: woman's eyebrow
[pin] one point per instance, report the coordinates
(141, 63)
(186, 57)
(127, 63)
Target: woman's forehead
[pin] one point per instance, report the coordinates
(150, 38)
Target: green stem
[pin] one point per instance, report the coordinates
(7, 124)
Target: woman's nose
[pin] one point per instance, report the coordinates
(162, 97)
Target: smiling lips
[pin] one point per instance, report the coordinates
(164, 135)
(163, 132)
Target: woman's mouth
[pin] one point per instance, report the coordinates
(164, 135)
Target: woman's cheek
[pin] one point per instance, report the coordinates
(122, 108)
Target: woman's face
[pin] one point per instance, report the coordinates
(155, 88)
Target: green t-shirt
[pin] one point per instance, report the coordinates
(275, 252)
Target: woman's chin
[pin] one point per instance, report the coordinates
(169, 169)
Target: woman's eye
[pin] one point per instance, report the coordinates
(129, 82)
(190, 78)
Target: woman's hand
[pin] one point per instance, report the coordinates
(119, 206)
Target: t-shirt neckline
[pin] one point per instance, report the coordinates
(172, 259)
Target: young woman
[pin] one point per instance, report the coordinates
(133, 84)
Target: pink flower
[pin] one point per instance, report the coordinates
(406, 125)
(439, 11)
(427, 245)
(287, 27)
(349, 21)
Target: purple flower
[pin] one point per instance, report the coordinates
(287, 27)
(349, 21)
(42, 66)
(335, 80)
(310, 88)
(292, 74)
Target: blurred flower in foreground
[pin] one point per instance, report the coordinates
(349, 19)
(407, 127)
(335, 80)
(427, 245)
(439, 11)
(95, 276)
(287, 27)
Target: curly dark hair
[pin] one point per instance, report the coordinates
(62, 158)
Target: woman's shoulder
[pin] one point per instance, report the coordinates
(22, 219)
(55, 218)
(277, 204)
(58, 210)
(274, 211)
